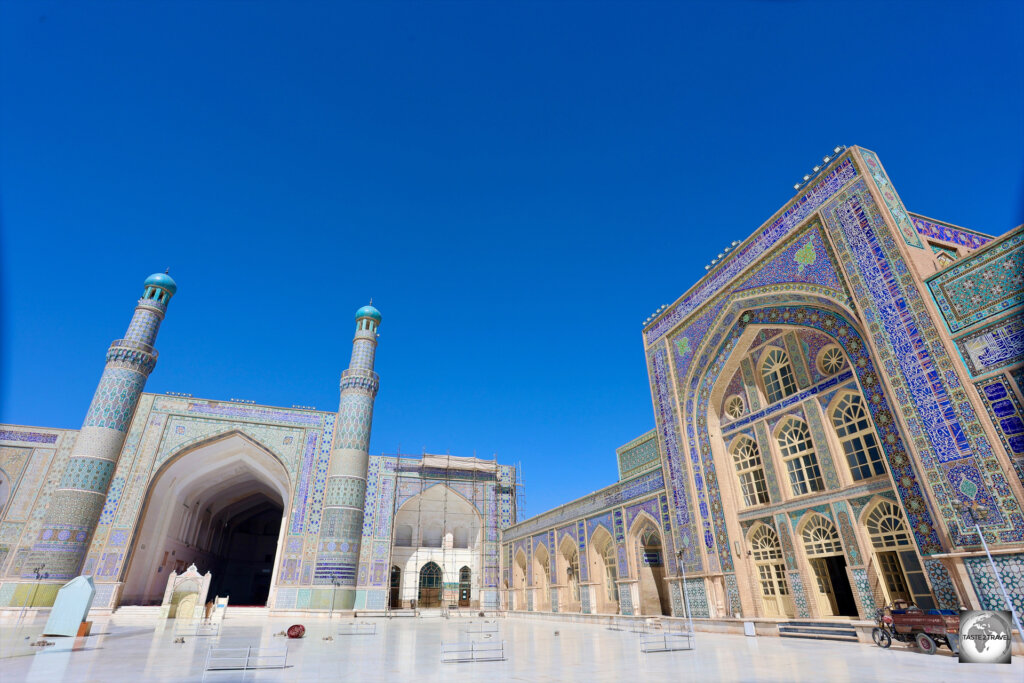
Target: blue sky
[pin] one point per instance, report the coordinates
(517, 185)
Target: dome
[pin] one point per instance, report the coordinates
(164, 281)
(368, 312)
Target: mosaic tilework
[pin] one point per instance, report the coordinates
(115, 398)
(1006, 413)
(767, 463)
(732, 591)
(797, 360)
(938, 230)
(27, 437)
(982, 285)
(638, 455)
(782, 528)
(625, 599)
(791, 400)
(651, 507)
(1011, 572)
(796, 587)
(697, 597)
(821, 448)
(794, 263)
(679, 482)
(995, 346)
(942, 585)
(940, 419)
(145, 323)
(298, 513)
(583, 539)
(850, 544)
(724, 274)
(87, 474)
(263, 415)
(753, 400)
(862, 591)
(584, 598)
(892, 200)
(676, 598)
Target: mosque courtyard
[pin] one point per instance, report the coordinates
(407, 649)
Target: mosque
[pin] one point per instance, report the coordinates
(838, 424)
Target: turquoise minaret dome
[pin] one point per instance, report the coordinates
(165, 281)
(368, 311)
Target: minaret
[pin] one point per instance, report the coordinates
(342, 526)
(75, 507)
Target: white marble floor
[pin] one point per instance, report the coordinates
(409, 650)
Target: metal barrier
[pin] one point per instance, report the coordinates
(245, 659)
(363, 628)
(666, 642)
(473, 651)
(196, 628)
(482, 627)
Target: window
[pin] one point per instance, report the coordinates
(747, 459)
(853, 426)
(734, 407)
(801, 461)
(830, 360)
(885, 526)
(820, 537)
(778, 375)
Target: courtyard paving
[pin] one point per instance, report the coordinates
(409, 650)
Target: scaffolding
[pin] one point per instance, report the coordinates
(445, 540)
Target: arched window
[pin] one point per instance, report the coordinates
(778, 375)
(853, 426)
(734, 407)
(403, 535)
(801, 461)
(820, 537)
(771, 571)
(830, 360)
(746, 457)
(886, 527)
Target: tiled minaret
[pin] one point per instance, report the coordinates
(75, 506)
(342, 525)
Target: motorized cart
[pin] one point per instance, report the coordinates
(928, 629)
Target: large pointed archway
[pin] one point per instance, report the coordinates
(220, 506)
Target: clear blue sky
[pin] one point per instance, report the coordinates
(517, 186)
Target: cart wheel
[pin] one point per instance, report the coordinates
(926, 643)
(881, 637)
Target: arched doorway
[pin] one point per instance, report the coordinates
(519, 581)
(825, 554)
(894, 554)
(570, 576)
(650, 568)
(430, 585)
(604, 571)
(465, 586)
(220, 506)
(395, 598)
(541, 572)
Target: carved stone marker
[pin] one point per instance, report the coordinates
(71, 607)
